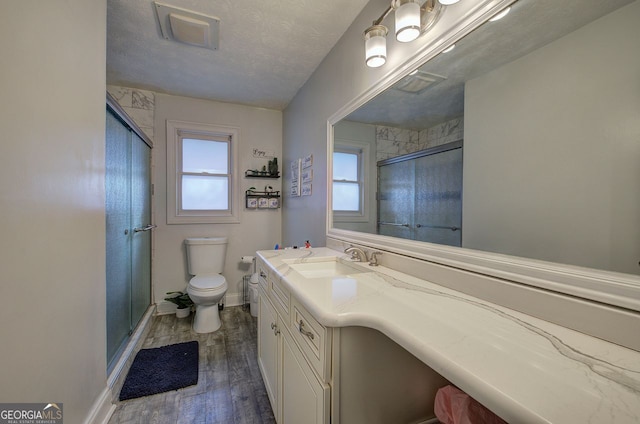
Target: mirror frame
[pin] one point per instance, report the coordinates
(607, 287)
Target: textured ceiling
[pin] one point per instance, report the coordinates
(530, 25)
(268, 49)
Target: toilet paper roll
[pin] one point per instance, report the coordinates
(247, 259)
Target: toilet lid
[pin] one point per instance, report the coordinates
(207, 281)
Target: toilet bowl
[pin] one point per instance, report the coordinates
(205, 258)
(206, 291)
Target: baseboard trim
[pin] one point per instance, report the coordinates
(102, 409)
(234, 299)
(166, 308)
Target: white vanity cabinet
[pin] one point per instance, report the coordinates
(340, 375)
(296, 392)
(269, 350)
(305, 398)
(374, 345)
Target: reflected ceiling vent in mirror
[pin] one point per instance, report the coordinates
(188, 27)
(417, 82)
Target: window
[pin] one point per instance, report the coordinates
(201, 169)
(204, 177)
(346, 181)
(349, 197)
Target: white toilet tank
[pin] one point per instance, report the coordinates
(205, 255)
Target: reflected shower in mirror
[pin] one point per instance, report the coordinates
(545, 104)
(420, 195)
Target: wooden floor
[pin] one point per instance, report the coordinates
(230, 389)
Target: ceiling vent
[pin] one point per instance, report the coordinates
(417, 82)
(188, 27)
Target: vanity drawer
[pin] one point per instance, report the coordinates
(312, 338)
(280, 296)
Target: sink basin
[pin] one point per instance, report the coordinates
(322, 267)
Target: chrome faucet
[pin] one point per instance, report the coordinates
(357, 254)
(373, 261)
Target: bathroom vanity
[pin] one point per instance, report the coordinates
(344, 342)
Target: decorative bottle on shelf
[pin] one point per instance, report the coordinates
(273, 167)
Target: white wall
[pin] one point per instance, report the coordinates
(52, 115)
(551, 150)
(259, 228)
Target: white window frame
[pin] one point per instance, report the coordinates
(176, 130)
(362, 150)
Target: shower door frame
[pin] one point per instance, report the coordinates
(136, 232)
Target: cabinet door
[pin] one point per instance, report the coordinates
(305, 400)
(268, 350)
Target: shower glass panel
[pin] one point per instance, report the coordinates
(118, 247)
(396, 197)
(140, 218)
(438, 211)
(420, 195)
(128, 239)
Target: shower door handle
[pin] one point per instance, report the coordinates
(145, 228)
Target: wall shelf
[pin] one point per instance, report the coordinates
(260, 174)
(262, 199)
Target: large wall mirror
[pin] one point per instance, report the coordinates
(545, 106)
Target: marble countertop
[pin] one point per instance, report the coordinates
(524, 369)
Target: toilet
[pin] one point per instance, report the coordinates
(205, 258)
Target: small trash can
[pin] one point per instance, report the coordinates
(253, 294)
(453, 406)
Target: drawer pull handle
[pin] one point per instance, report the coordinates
(263, 275)
(275, 329)
(303, 331)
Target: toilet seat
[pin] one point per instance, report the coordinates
(208, 283)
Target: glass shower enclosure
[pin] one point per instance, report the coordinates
(128, 235)
(420, 195)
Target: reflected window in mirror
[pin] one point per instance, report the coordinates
(347, 181)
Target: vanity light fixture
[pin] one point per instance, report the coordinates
(411, 21)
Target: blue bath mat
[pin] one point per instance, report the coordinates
(161, 370)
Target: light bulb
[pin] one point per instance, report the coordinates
(375, 45)
(407, 21)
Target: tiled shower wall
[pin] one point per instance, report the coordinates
(139, 105)
(392, 142)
